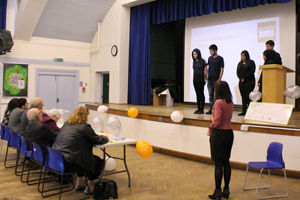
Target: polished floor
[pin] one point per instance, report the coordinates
(158, 177)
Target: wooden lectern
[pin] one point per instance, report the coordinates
(274, 83)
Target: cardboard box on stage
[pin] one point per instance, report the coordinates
(163, 99)
(159, 100)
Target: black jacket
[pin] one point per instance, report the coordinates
(40, 134)
(246, 71)
(76, 142)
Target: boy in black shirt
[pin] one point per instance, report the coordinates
(270, 46)
(215, 73)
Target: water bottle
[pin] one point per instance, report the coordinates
(118, 133)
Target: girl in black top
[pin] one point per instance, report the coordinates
(10, 106)
(245, 73)
(199, 79)
(269, 57)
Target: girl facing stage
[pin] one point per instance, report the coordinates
(221, 138)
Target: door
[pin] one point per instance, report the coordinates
(66, 93)
(58, 91)
(105, 89)
(47, 90)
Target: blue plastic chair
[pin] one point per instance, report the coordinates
(1, 141)
(2, 131)
(36, 157)
(15, 140)
(7, 137)
(274, 161)
(55, 164)
(26, 154)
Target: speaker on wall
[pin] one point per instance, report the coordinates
(6, 41)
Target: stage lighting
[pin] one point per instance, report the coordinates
(6, 41)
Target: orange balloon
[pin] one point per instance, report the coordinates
(133, 112)
(144, 149)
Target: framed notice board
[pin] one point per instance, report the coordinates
(15, 80)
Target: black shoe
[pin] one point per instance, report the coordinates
(226, 192)
(217, 194)
(242, 114)
(200, 112)
(196, 111)
(209, 112)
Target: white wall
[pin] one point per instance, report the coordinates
(114, 31)
(287, 24)
(39, 53)
(247, 146)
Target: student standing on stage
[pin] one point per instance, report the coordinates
(199, 79)
(215, 73)
(276, 59)
(270, 46)
(245, 72)
(269, 57)
(221, 139)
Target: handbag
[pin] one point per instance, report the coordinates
(105, 189)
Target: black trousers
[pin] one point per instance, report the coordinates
(199, 89)
(99, 164)
(246, 88)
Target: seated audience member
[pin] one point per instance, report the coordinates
(37, 132)
(12, 104)
(75, 141)
(15, 115)
(51, 119)
(36, 102)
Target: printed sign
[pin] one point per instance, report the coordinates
(266, 31)
(269, 112)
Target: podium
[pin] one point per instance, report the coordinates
(274, 83)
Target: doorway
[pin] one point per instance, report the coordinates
(167, 56)
(104, 87)
(57, 88)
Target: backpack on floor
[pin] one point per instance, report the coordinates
(105, 189)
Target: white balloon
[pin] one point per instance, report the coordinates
(97, 124)
(255, 96)
(114, 123)
(102, 109)
(177, 116)
(114, 126)
(110, 164)
(292, 92)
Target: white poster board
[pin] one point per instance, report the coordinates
(269, 112)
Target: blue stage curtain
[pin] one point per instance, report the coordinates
(3, 7)
(172, 10)
(139, 74)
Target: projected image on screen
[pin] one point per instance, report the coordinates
(231, 40)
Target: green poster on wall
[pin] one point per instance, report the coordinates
(15, 80)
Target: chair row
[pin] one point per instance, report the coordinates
(54, 163)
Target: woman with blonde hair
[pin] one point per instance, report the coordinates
(75, 141)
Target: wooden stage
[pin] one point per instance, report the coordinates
(162, 114)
